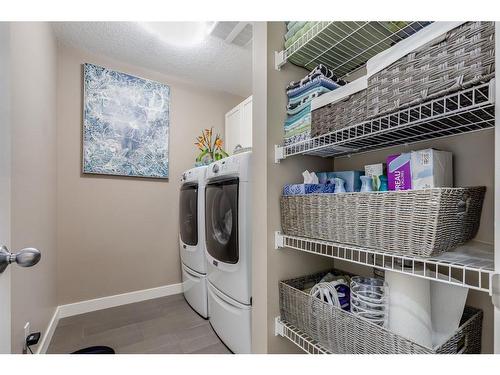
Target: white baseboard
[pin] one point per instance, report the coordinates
(49, 332)
(82, 307)
(117, 300)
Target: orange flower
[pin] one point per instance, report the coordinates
(218, 143)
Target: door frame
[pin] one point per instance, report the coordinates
(5, 189)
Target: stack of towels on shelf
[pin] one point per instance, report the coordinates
(295, 29)
(300, 94)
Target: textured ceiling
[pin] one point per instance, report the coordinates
(212, 63)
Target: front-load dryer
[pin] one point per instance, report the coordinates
(228, 249)
(192, 239)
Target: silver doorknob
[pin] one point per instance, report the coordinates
(27, 257)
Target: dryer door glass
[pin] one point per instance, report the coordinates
(188, 214)
(221, 220)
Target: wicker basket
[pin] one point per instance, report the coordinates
(344, 333)
(465, 57)
(414, 222)
(336, 116)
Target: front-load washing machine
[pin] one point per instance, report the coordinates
(192, 239)
(228, 249)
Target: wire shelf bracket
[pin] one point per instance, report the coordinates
(298, 337)
(470, 265)
(465, 111)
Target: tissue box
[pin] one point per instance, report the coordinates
(374, 171)
(351, 178)
(399, 171)
(431, 168)
(300, 189)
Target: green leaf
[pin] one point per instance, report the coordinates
(200, 156)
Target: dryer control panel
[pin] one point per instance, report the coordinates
(225, 166)
(236, 165)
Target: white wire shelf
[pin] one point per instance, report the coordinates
(298, 337)
(470, 265)
(464, 111)
(345, 46)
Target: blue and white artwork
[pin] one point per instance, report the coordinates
(125, 124)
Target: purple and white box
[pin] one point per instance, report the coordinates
(399, 171)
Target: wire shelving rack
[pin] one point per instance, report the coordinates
(345, 46)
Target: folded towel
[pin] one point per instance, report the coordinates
(299, 123)
(293, 30)
(302, 127)
(310, 90)
(299, 127)
(299, 132)
(294, 108)
(319, 81)
(296, 138)
(304, 112)
(301, 31)
(320, 70)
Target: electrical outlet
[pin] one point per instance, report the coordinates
(26, 333)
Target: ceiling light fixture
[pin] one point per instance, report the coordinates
(180, 34)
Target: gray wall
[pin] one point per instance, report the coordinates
(117, 235)
(284, 263)
(33, 111)
(259, 190)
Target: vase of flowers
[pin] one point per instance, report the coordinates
(210, 150)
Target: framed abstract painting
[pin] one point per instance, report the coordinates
(126, 122)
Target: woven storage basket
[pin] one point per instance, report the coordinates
(344, 333)
(465, 57)
(414, 222)
(339, 115)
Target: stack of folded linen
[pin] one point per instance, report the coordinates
(294, 30)
(300, 94)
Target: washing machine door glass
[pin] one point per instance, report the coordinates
(221, 220)
(188, 214)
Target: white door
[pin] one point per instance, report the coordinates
(233, 121)
(239, 126)
(246, 123)
(5, 325)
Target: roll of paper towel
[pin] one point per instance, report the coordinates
(410, 307)
(448, 302)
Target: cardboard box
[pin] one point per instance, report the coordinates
(399, 171)
(374, 171)
(431, 168)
